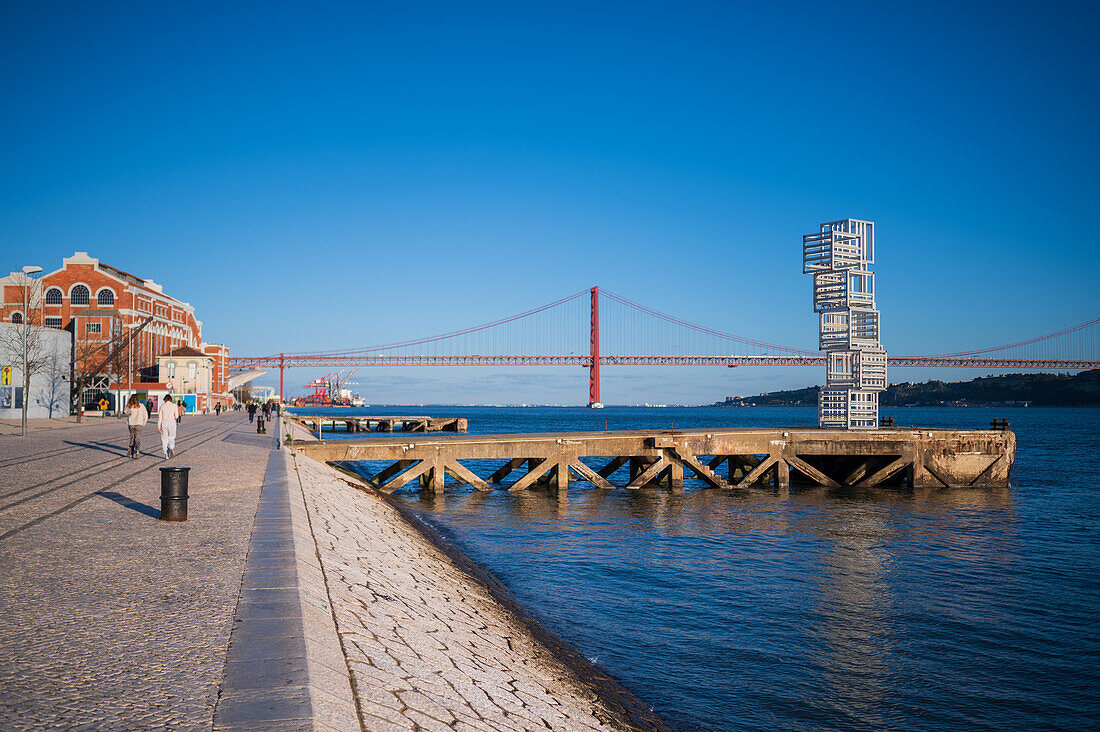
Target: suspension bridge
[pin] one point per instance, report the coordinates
(568, 332)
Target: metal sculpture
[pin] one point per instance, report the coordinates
(839, 257)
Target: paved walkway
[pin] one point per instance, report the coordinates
(290, 600)
(110, 618)
(15, 426)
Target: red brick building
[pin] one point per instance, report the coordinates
(96, 302)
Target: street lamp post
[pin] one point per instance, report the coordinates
(29, 270)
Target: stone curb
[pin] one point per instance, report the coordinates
(285, 667)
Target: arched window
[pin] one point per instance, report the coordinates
(79, 295)
(191, 370)
(105, 298)
(17, 317)
(171, 369)
(53, 296)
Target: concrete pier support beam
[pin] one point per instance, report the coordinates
(833, 459)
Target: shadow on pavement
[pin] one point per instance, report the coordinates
(104, 446)
(130, 503)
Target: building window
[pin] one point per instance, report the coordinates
(17, 317)
(79, 295)
(191, 370)
(93, 328)
(171, 369)
(53, 296)
(105, 298)
(53, 323)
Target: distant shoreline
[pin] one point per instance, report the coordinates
(1006, 391)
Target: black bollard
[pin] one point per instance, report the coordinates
(173, 494)
(260, 429)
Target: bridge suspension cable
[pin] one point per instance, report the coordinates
(1029, 342)
(567, 332)
(708, 331)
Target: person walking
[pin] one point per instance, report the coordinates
(251, 411)
(136, 417)
(166, 425)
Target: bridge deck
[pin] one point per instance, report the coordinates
(727, 458)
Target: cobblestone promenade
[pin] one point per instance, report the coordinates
(289, 600)
(109, 618)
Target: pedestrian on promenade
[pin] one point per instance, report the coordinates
(166, 425)
(251, 411)
(136, 417)
(181, 407)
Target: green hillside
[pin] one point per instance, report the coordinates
(1040, 390)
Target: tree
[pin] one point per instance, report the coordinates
(28, 345)
(90, 358)
(85, 356)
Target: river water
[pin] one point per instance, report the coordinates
(966, 609)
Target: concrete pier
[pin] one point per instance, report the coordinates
(315, 422)
(780, 458)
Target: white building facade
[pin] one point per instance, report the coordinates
(49, 392)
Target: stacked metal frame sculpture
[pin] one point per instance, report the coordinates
(839, 257)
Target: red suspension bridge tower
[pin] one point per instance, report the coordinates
(594, 368)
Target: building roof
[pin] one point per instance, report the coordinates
(118, 274)
(187, 351)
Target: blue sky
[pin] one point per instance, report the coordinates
(323, 176)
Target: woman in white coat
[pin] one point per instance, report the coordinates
(166, 425)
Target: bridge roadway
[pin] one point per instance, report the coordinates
(777, 457)
(327, 361)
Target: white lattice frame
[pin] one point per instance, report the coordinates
(838, 256)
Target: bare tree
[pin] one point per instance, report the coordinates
(86, 354)
(118, 364)
(28, 345)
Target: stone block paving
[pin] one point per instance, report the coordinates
(109, 618)
(427, 646)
